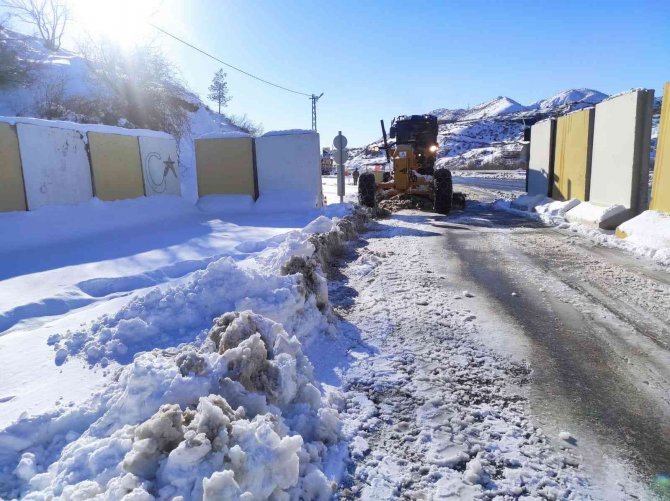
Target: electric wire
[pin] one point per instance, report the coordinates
(227, 64)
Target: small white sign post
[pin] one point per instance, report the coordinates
(340, 155)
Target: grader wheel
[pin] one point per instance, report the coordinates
(366, 189)
(443, 190)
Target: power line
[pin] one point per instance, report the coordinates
(228, 64)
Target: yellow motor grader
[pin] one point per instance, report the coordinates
(413, 156)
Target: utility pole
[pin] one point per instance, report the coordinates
(314, 99)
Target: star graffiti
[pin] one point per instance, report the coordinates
(169, 166)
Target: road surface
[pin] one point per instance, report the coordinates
(482, 309)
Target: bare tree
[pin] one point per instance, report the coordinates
(49, 16)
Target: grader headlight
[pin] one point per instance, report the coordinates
(434, 148)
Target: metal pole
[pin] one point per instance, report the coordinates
(340, 172)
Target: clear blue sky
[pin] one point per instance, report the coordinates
(376, 59)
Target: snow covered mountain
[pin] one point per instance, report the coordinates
(489, 135)
(569, 98)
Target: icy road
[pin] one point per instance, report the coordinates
(489, 355)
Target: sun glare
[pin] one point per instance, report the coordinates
(123, 21)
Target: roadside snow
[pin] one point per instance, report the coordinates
(653, 232)
(228, 411)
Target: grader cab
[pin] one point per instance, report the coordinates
(413, 157)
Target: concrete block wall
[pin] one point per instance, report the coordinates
(225, 166)
(660, 190)
(572, 155)
(289, 170)
(621, 147)
(45, 162)
(541, 162)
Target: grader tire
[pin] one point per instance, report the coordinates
(443, 191)
(366, 189)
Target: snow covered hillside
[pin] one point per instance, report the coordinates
(489, 135)
(62, 86)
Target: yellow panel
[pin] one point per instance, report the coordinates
(572, 164)
(116, 166)
(12, 190)
(660, 191)
(225, 166)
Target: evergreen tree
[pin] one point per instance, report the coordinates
(218, 90)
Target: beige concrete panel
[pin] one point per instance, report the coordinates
(225, 166)
(572, 159)
(621, 143)
(12, 191)
(116, 166)
(660, 191)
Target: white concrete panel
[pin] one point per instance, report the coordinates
(541, 163)
(160, 166)
(55, 165)
(289, 164)
(621, 142)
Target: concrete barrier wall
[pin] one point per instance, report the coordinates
(225, 166)
(116, 166)
(55, 164)
(572, 155)
(541, 162)
(660, 191)
(160, 165)
(288, 168)
(12, 191)
(621, 146)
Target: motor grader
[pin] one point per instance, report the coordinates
(413, 156)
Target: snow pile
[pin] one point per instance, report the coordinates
(238, 416)
(529, 202)
(556, 208)
(233, 412)
(597, 216)
(651, 229)
(179, 313)
(272, 284)
(646, 235)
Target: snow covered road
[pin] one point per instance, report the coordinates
(547, 376)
